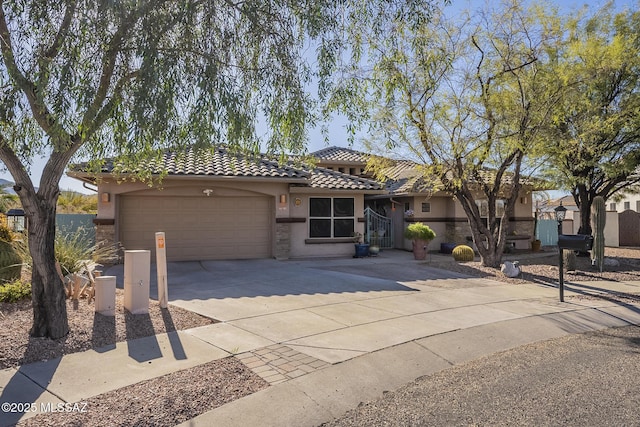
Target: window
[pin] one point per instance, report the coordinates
(331, 217)
(612, 207)
(627, 205)
(426, 207)
(483, 207)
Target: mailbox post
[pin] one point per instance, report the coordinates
(560, 212)
(574, 242)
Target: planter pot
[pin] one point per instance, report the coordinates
(535, 245)
(374, 250)
(420, 249)
(362, 250)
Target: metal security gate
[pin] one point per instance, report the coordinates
(379, 229)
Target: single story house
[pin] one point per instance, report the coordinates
(220, 205)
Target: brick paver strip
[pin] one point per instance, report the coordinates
(278, 363)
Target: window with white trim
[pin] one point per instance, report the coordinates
(331, 217)
(483, 207)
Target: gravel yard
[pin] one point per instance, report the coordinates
(544, 269)
(179, 396)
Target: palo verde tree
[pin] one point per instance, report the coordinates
(87, 79)
(466, 97)
(594, 138)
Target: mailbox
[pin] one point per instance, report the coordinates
(576, 242)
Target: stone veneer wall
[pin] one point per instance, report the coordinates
(106, 234)
(457, 232)
(283, 241)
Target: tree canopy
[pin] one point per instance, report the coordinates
(467, 96)
(594, 137)
(88, 79)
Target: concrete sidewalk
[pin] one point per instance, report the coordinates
(325, 349)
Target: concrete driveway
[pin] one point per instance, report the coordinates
(337, 309)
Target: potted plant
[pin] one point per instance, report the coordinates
(374, 248)
(362, 249)
(420, 235)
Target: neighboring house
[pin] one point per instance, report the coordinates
(571, 224)
(629, 202)
(220, 205)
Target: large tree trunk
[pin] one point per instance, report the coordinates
(584, 199)
(48, 293)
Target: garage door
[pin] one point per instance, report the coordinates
(198, 228)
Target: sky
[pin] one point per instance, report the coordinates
(337, 132)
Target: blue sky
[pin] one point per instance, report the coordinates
(337, 133)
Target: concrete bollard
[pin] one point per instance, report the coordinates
(137, 274)
(105, 295)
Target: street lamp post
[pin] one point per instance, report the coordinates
(560, 211)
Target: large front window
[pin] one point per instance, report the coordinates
(331, 217)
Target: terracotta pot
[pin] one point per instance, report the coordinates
(535, 245)
(420, 249)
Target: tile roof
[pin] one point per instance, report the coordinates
(330, 179)
(223, 163)
(405, 176)
(340, 154)
(215, 162)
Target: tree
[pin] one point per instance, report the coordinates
(594, 139)
(466, 98)
(85, 79)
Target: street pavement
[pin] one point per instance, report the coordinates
(588, 379)
(361, 326)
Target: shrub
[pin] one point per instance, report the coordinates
(5, 234)
(419, 231)
(15, 291)
(463, 253)
(71, 250)
(10, 262)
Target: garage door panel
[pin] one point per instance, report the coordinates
(199, 228)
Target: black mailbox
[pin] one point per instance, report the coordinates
(576, 242)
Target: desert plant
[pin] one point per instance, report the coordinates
(15, 291)
(419, 231)
(570, 260)
(5, 234)
(463, 253)
(10, 261)
(72, 250)
(598, 219)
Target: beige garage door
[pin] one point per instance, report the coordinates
(198, 228)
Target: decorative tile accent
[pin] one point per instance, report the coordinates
(278, 363)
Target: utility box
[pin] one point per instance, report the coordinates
(576, 242)
(137, 273)
(105, 295)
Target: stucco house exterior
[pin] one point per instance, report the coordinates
(409, 198)
(221, 205)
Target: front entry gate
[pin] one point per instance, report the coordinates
(378, 229)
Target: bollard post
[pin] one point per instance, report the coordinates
(161, 265)
(137, 269)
